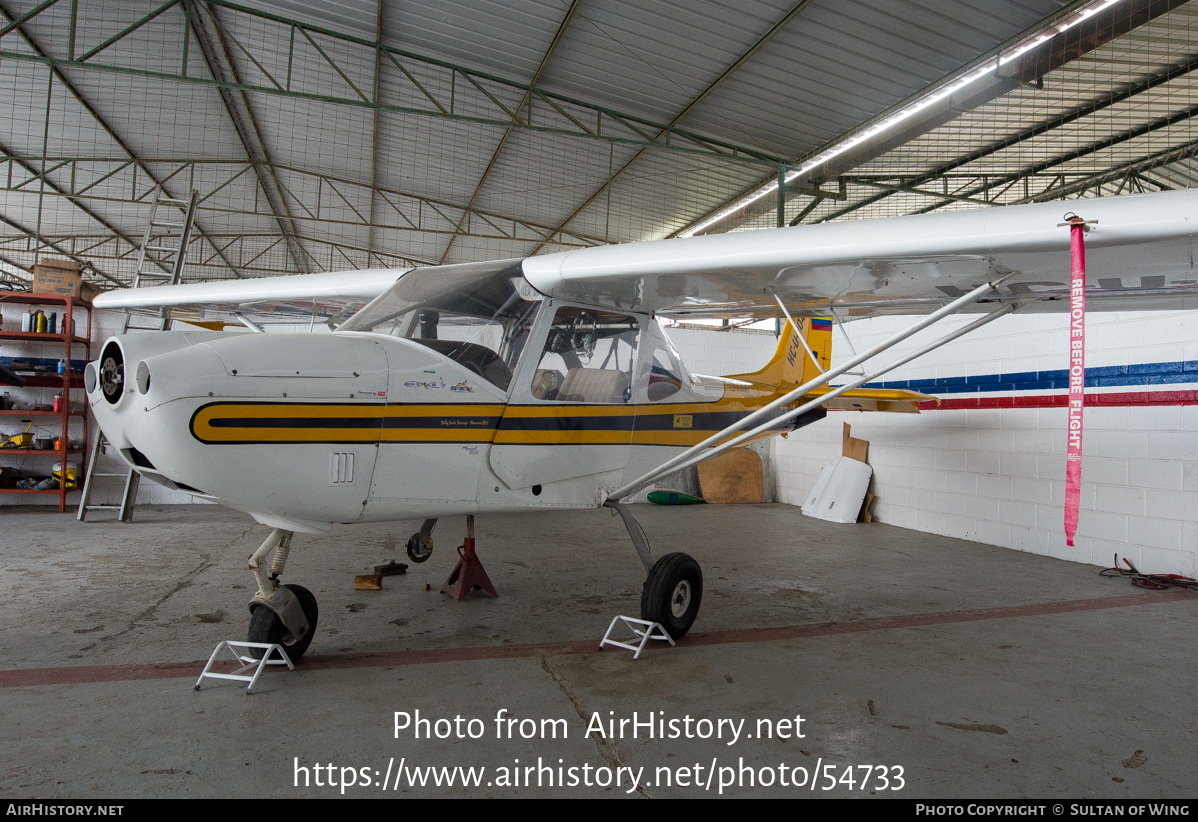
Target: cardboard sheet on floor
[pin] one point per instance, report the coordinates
(735, 476)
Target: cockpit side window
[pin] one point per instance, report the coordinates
(663, 380)
(479, 318)
(589, 356)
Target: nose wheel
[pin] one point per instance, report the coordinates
(672, 593)
(265, 625)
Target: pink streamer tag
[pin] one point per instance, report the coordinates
(1077, 378)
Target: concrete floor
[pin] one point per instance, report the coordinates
(964, 664)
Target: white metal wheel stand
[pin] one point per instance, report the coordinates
(644, 630)
(247, 662)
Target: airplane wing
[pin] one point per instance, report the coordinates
(1140, 256)
(328, 294)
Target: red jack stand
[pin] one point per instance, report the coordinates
(468, 574)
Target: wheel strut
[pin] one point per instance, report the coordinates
(468, 574)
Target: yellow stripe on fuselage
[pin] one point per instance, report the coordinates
(668, 424)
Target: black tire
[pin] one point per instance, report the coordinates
(414, 549)
(265, 625)
(672, 593)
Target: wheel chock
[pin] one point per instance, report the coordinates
(374, 582)
(468, 574)
(247, 662)
(643, 629)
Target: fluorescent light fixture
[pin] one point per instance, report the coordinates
(901, 115)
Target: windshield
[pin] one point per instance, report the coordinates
(477, 314)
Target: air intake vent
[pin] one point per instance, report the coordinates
(140, 460)
(341, 468)
(185, 487)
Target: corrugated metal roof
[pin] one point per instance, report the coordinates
(335, 164)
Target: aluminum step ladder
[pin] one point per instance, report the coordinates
(132, 482)
(163, 246)
(163, 249)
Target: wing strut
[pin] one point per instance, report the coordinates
(701, 452)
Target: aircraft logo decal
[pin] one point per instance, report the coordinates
(461, 388)
(440, 383)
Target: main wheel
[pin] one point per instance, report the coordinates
(672, 593)
(265, 625)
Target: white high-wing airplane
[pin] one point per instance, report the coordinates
(547, 382)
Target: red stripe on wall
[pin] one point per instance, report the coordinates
(1122, 399)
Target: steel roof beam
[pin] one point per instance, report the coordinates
(1166, 76)
(215, 50)
(585, 120)
(30, 235)
(65, 82)
(1133, 169)
(691, 106)
(27, 164)
(997, 180)
(502, 226)
(252, 248)
(1082, 37)
(557, 38)
(374, 130)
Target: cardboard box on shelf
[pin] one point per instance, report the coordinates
(55, 276)
(61, 277)
(88, 292)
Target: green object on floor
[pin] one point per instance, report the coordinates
(664, 496)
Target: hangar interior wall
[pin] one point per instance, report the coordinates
(995, 473)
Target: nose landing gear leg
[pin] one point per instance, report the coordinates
(280, 614)
(468, 574)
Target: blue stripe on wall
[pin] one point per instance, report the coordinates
(1152, 373)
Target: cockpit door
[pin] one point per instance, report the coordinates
(571, 413)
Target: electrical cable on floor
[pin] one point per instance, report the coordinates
(1153, 582)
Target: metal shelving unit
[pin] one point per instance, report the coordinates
(68, 382)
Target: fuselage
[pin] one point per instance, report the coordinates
(306, 430)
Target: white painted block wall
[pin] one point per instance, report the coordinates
(997, 475)
(717, 353)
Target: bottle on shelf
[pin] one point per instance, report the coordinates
(41, 321)
(26, 319)
(52, 325)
